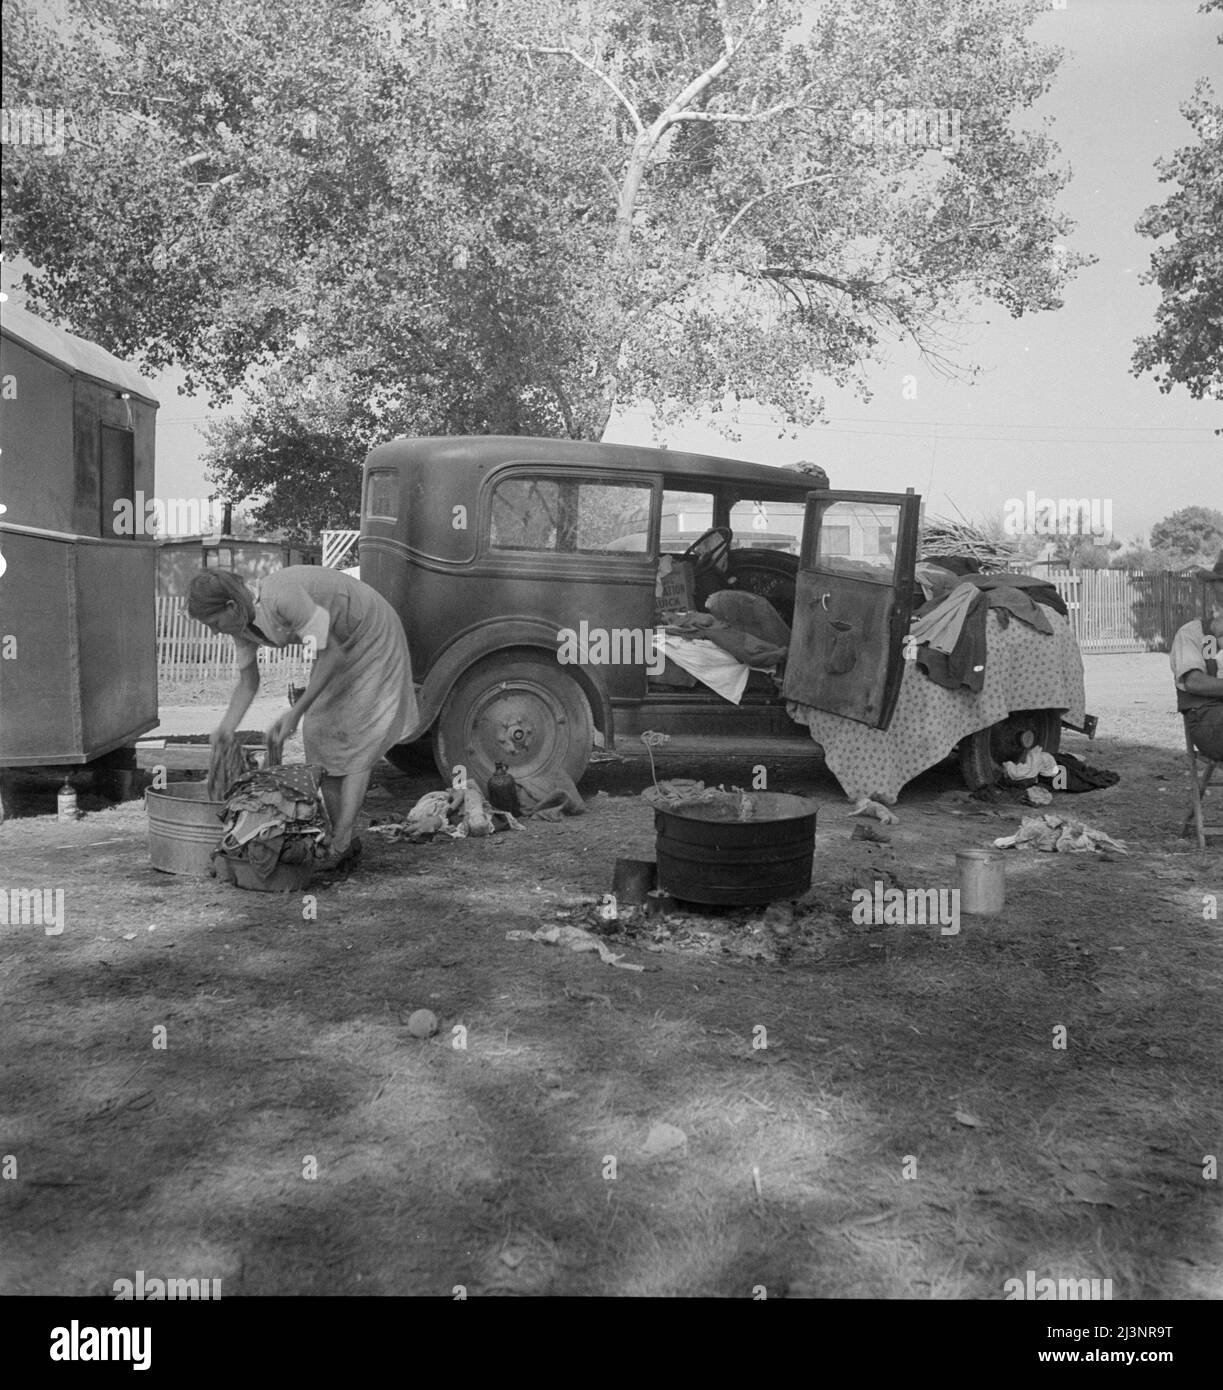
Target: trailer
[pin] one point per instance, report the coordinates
(78, 657)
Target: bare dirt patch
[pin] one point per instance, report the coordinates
(910, 1129)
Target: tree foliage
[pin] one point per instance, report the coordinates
(1193, 535)
(1186, 347)
(514, 217)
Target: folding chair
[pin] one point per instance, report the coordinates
(1197, 792)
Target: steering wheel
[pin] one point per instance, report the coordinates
(709, 551)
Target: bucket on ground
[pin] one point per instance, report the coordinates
(633, 880)
(184, 828)
(708, 855)
(982, 881)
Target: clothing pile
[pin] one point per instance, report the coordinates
(1035, 776)
(273, 816)
(949, 630)
(1063, 771)
(1057, 835)
(461, 812)
(741, 633)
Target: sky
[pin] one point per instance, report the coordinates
(1055, 409)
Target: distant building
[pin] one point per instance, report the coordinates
(179, 557)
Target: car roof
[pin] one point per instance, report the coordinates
(488, 450)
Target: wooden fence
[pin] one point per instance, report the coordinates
(1126, 610)
(187, 651)
(1110, 611)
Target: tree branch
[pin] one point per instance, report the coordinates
(760, 198)
(739, 117)
(607, 82)
(859, 290)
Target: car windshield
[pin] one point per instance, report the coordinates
(767, 525)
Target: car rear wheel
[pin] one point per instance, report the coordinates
(983, 753)
(519, 709)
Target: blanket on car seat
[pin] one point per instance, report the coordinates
(1024, 669)
(741, 633)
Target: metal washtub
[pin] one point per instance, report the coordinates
(708, 855)
(184, 828)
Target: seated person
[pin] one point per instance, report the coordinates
(1195, 666)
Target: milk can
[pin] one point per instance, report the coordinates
(982, 881)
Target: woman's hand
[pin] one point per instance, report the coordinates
(221, 737)
(279, 733)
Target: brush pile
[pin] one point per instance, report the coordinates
(941, 538)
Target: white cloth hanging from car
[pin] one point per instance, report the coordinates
(709, 663)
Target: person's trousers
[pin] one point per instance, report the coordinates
(1206, 729)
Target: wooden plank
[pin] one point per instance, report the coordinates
(181, 757)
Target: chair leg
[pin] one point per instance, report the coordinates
(1197, 790)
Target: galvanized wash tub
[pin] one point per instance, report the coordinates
(184, 828)
(707, 854)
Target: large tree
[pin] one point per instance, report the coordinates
(1192, 535)
(516, 217)
(1186, 347)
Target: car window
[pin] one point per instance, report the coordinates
(767, 525)
(685, 517)
(858, 538)
(570, 516)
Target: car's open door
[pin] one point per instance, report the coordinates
(852, 603)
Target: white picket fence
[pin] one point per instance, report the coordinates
(187, 651)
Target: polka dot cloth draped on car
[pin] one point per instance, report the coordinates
(1024, 669)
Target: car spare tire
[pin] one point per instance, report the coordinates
(518, 708)
(983, 753)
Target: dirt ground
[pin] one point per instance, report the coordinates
(910, 1129)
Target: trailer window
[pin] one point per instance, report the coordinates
(568, 516)
(382, 494)
(118, 483)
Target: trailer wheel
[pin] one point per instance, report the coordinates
(983, 753)
(516, 708)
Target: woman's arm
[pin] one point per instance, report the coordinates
(327, 665)
(328, 662)
(245, 691)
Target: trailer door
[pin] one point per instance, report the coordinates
(852, 603)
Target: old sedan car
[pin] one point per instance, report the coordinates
(532, 576)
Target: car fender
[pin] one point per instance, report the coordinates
(503, 635)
